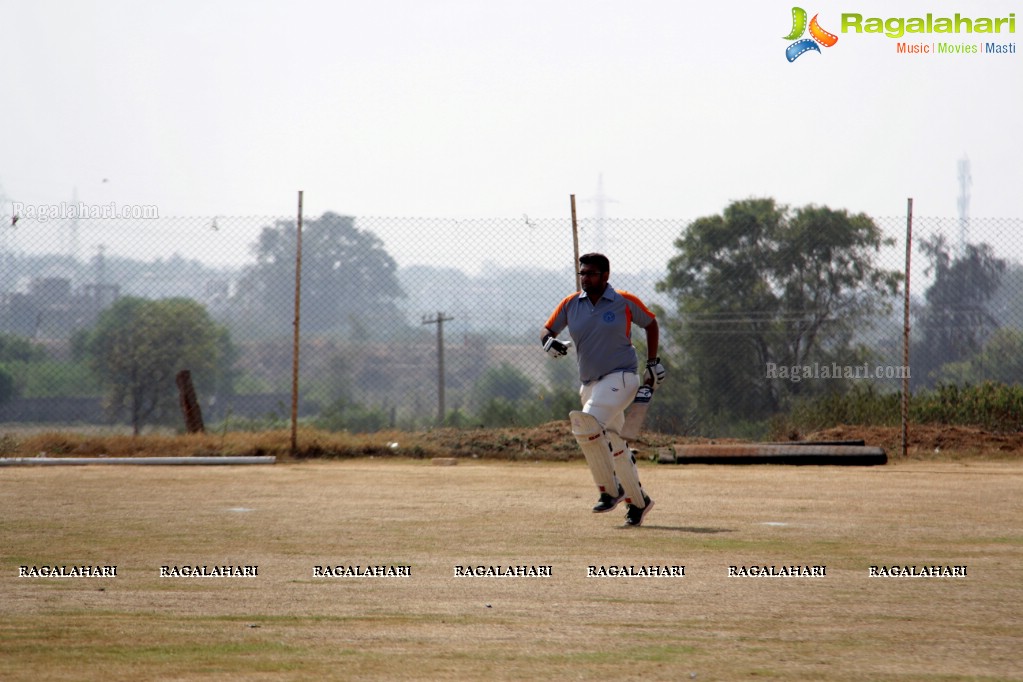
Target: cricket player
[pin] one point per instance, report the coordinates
(599, 321)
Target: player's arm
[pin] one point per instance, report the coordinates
(653, 339)
(551, 345)
(654, 369)
(557, 321)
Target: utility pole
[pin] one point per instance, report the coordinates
(439, 321)
(297, 336)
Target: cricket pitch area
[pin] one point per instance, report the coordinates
(597, 614)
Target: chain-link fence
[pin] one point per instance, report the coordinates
(407, 321)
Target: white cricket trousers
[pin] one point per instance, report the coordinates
(607, 397)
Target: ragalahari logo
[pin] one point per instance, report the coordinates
(802, 45)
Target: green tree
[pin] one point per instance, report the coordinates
(1006, 304)
(504, 382)
(764, 284)
(1001, 360)
(16, 354)
(51, 378)
(138, 346)
(563, 373)
(955, 321)
(346, 415)
(505, 397)
(6, 385)
(18, 349)
(349, 281)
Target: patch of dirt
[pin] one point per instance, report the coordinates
(554, 442)
(927, 441)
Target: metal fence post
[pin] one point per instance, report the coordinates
(905, 332)
(294, 351)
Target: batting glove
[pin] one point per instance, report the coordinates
(555, 348)
(654, 372)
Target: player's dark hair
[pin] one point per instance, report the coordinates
(597, 259)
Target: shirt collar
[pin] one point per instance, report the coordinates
(609, 293)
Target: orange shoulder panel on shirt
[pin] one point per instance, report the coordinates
(635, 299)
(559, 308)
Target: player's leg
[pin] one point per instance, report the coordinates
(593, 441)
(604, 401)
(638, 503)
(625, 470)
(608, 399)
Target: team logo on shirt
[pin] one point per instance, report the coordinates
(609, 317)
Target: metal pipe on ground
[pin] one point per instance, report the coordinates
(83, 461)
(774, 453)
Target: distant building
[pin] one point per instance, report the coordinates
(50, 309)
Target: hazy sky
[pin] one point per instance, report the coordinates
(488, 108)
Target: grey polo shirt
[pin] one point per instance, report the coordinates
(601, 333)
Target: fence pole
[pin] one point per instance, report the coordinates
(294, 350)
(189, 403)
(575, 243)
(905, 332)
(439, 321)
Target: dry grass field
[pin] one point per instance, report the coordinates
(285, 623)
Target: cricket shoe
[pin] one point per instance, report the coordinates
(634, 515)
(606, 503)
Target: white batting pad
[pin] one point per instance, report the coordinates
(625, 470)
(596, 449)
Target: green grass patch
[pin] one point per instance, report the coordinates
(994, 406)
